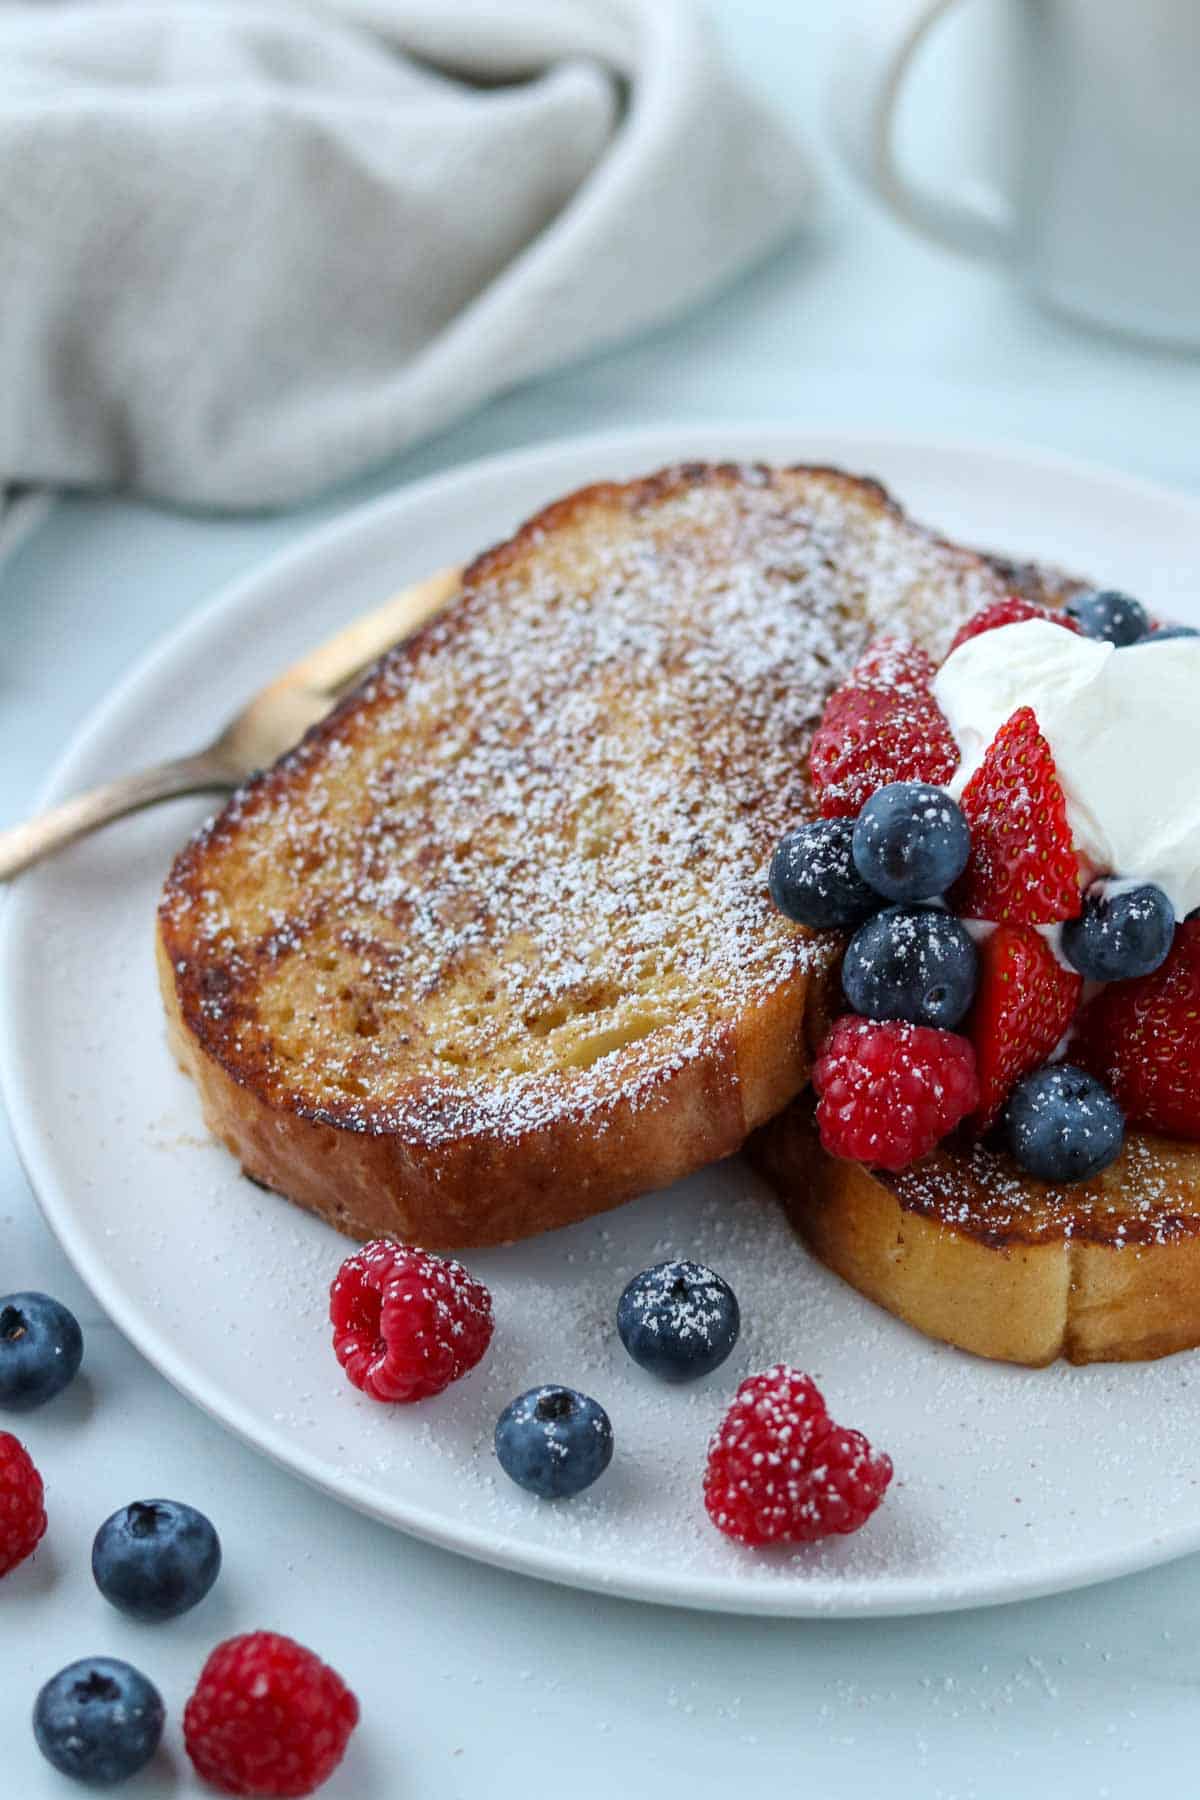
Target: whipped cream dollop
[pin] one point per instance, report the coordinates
(1124, 728)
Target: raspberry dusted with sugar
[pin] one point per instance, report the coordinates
(1013, 611)
(22, 1512)
(407, 1323)
(889, 1092)
(781, 1472)
(1142, 1039)
(1023, 869)
(882, 725)
(1024, 1003)
(267, 1717)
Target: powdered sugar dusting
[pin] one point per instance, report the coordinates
(534, 879)
(682, 1297)
(1145, 1197)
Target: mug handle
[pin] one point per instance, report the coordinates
(875, 62)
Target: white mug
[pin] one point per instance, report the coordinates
(1103, 220)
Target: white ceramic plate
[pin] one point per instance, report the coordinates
(1009, 1482)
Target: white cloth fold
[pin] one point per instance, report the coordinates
(247, 249)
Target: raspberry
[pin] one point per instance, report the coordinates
(1023, 1004)
(781, 1472)
(1142, 1039)
(889, 1092)
(407, 1323)
(267, 1717)
(1013, 611)
(22, 1514)
(882, 725)
(1023, 869)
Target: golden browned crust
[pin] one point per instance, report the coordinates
(492, 950)
(474, 1188)
(968, 1249)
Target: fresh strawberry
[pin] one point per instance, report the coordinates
(883, 724)
(1013, 611)
(1023, 869)
(1142, 1039)
(1023, 1004)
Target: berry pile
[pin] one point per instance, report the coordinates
(971, 935)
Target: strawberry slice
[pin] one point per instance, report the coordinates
(1013, 611)
(1023, 1004)
(1023, 869)
(883, 724)
(1142, 1039)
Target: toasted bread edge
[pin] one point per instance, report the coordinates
(1086, 1298)
(476, 1189)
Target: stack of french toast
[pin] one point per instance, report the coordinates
(497, 946)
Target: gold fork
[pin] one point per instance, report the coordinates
(268, 725)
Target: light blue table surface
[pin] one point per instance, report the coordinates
(476, 1683)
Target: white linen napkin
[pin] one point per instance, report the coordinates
(247, 249)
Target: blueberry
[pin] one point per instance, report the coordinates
(1121, 933)
(813, 879)
(41, 1348)
(911, 962)
(679, 1320)
(911, 841)
(1105, 613)
(155, 1559)
(98, 1720)
(1166, 632)
(1063, 1125)
(554, 1442)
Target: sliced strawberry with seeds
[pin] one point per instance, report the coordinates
(1142, 1039)
(883, 724)
(1023, 868)
(1023, 1005)
(1013, 611)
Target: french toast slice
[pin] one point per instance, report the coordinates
(968, 1248)
(492, 950)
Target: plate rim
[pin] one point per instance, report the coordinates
(869, 1597)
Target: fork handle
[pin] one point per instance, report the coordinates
(23, 845)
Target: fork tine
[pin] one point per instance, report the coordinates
(337, 661)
